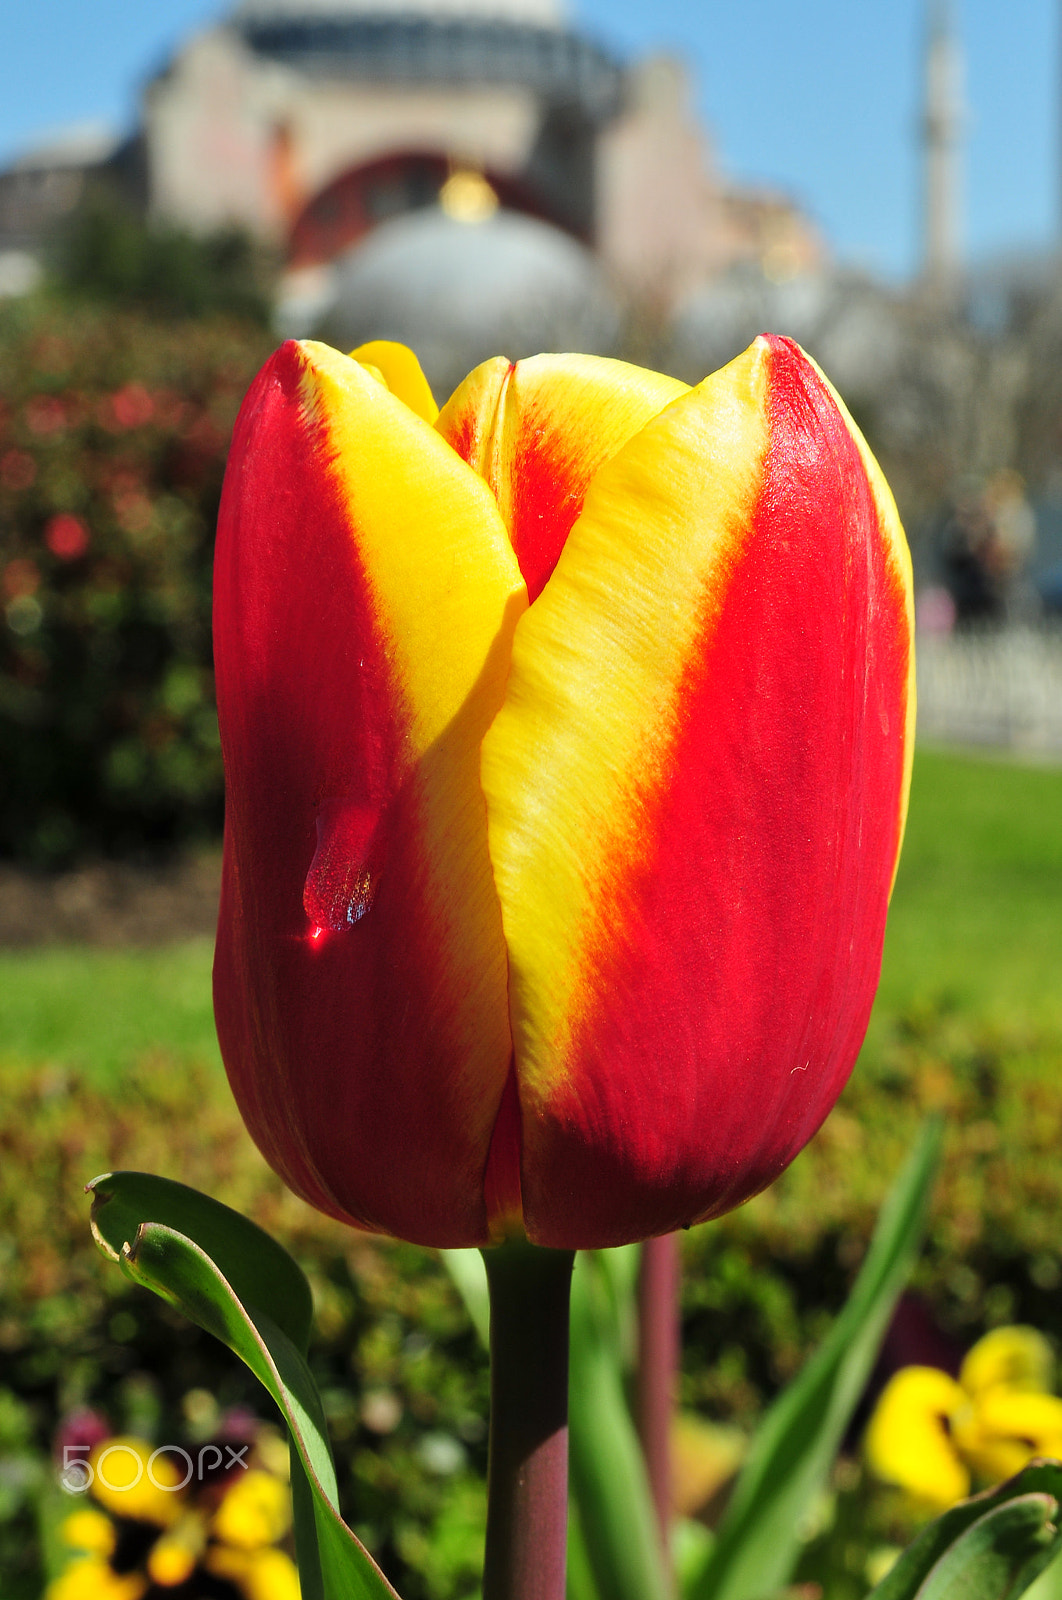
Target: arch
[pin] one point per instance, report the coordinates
(353, 203)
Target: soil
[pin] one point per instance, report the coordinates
(111, 903)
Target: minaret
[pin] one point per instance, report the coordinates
(941, 131)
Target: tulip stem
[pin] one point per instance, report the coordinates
(527, 1474)
(658, 1363)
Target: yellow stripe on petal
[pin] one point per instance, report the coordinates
(595, 689)
(539, 431)
(693, 791)
(448, 594)
(401, 372)
(467, 420)
(428, 533)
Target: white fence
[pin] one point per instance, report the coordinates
(994, 688)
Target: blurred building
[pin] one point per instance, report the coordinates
(39, 190)
(312, 121)
(309, 123)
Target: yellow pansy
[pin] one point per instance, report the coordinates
(89, 1531)
(260, 1574)
(936, 1438)
(256, 1511)
(93, 1579)
(196, 1533)
(133, 1480)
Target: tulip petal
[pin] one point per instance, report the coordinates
(539, 430)
(401, 372)
(695, 792)
(366, 594)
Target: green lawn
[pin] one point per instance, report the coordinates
(976, 916)
(976, 924)
(101, 1011)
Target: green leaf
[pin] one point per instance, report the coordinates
(232, 1279)
(1048, 1586)
(579, 1578)
(470, 1279)
(791, 1456)
(260, 1271)
(608, 1479)
(988, 1548)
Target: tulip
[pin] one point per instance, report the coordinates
(567, 737)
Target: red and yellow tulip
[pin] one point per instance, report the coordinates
(567, 736)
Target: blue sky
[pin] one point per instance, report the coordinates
(818, 97)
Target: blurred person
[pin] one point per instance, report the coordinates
(1013, 543)
(971, 567)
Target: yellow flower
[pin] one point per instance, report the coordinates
(934, 1437)
(132, 1480)
(89, 1531)
(173, 1558)
(909, 1439)
(255, 1511)
(93, 1579)
(261, 1574)
(196, 1534)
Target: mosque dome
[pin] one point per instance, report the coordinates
(522, 42)
(535, 13)
(459, 292)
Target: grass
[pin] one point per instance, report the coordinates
(98, 1012)
(976, 918)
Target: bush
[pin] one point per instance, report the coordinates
(108, 253)
(113, 433)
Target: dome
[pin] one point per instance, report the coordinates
(532, 13)
(458, 292)
(490, 42)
